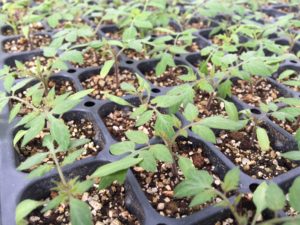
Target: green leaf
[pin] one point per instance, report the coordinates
(73, 56)
(40, 171)
(36, 159)
(201, 198)
(224, 89)
(60, 132)
(144, 118)
(257, 67)
(80, 213)
(185, 165)
(231, 180)
(219, 122)
(190, 112)
(161, 152)
(129, 34)
(122, 147)
(148, 163)
(15, 110)
(204, 132)
(231, 110)
(80, 94)
(164, 126)
(116, 166)
(294, 194)
(275, 197)
(292, 155)
(263, 139)
(259, 197)
(106, 68)
(37, 125)
(143, 24)
(118, 100)
(138, 111)
(198, 181)
(138, 137)
(71, 157)
(18, 136)
(55, 202)
(24, 208)
(49, 51)
(108, 180)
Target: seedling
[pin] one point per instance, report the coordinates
(198, 186)
(68, 190)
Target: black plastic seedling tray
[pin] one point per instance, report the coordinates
(14, 186)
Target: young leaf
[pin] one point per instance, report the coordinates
(204, 132)
(292, 155)
(144, 118)
(231, 180)
(24, 208)
(15, 110)
(219, 122)
(37, 125)
(71, 157)
(117, 100)
(294, 194)
(80, 213)
(275, 197)
(263, 139)
(60, 132)
(106, 68)
(185, 164)
(40, 171)
(201, 198)
(116, 166)
(259, 197)
(37, 158)
(148, 163)
(122, 147)
(138, 137)
(161, 152)
(231, 110)
(190, 112)
(74, 56)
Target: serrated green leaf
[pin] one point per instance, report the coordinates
(263, 139)
(138, 137)
(122, 147)
(80, 213)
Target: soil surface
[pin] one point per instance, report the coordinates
(197, 24)
(289, 126)
(107, 207)
(262, 91)
(22, 44)
(240, 147)
(119, 121)
(169, 78)
(217, 107)
(34, 28)
(134, 55)
(93, 58)
(159, 186)
(79, 129)
(108, 84)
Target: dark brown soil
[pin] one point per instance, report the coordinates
(168, 78)
(78, 129)
(34, 28)
(119, 121)
(22, 44)
(289, 126)
(93, 58)
(200, 24)
(245, 152)
(262, 91)
(108, 84)
(107, 207)
(193, 48)
(217, 107)
(134, 55)
(159, 186)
